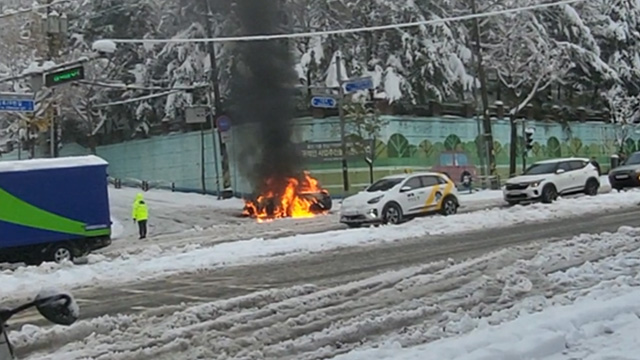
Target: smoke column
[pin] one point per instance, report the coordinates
(262, 96)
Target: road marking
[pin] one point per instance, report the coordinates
(190, 297)
(134, 291)
(88, 301)
(250, 288)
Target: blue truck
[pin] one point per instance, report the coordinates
(53, 209)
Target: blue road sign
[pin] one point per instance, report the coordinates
(326, 102)
(353, 85)
(223, 123)
(17, 105)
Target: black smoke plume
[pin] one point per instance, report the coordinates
(262, 96)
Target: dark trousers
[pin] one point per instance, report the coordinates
(142, 228)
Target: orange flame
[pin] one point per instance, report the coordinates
(299, 199)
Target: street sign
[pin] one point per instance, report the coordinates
(326, 102)
(223, 123)
(353, 85)
(196, 114)
(64, 76)
(16, 102)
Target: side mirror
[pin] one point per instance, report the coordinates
(560, 171)
(58, 307)
(405, 189)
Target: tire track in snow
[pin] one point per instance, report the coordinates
(307, 322)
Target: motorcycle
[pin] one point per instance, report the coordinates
(57, 307)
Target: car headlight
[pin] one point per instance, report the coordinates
(375, 200)
(535, 183)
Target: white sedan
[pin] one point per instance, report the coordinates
(393, 199)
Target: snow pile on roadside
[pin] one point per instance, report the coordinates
(154, 262)
(575, 292)
(600, 322)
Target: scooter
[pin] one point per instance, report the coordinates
(58, 307)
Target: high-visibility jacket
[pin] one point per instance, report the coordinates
(140, 211)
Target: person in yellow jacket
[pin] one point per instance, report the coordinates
(140, 215)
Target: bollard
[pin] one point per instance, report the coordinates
(173, 187)
(145, 186)
(117, 183)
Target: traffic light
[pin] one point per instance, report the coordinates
(528, 138)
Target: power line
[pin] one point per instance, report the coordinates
(345, 31)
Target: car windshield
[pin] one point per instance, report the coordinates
(383, 185)
(446, 159)
(634, 159)
(462, 160)
(541, 168)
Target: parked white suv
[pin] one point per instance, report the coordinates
(546, 180)
(393, 199)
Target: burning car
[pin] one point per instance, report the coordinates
(289, 198)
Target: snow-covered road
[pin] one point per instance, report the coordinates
(155, 262)
(469, 309)
(180, 219)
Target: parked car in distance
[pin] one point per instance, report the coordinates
(627, 175)
(546, 180)
(396, 198)
(456, 165)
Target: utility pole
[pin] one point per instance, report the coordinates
(486, 119)
(343, 125)
(215, 85)
(56, 28)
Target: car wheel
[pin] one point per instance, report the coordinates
(549, 194)
(592, 187)
(392, 214)
(449, 206)
(61, 253)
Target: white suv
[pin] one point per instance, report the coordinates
(545, 180)
(395, 198)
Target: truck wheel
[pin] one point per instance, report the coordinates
(60, 253)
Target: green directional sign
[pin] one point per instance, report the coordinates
(64, 76)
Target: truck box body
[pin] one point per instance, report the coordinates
(46, 201)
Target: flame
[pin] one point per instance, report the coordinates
(299, 199)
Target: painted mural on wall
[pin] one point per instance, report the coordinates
(442, 143)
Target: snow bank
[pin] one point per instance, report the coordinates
(602, 323)
(559, 301)
(154, 262)
(596, 327)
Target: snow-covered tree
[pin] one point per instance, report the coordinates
(624, 110)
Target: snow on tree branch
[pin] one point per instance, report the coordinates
(624, 110)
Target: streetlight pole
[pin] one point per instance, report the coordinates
(343, 135)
